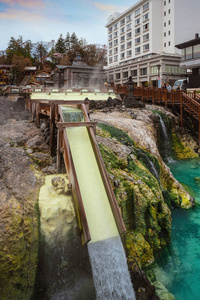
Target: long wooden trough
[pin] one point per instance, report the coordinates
(52, 109)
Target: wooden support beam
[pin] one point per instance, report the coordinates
(38, 113)
(181, 110)
(199, 127)
(52, 130)
(76, 124)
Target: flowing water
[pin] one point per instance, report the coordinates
(110, 272)
(179, 264)
(166, 149)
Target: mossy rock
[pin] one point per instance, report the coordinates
(182, 149)
(18, 256)
(138, 250)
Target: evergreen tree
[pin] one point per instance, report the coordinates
(67, 41)
(60, 45)
(27, 49)
(15, 47)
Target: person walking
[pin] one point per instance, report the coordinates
(168, 87)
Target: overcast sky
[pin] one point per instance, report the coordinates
(45, 20)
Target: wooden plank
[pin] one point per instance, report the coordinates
(52, 129)
(76, 124)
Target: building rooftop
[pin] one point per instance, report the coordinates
(193, 42)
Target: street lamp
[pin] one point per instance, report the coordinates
(159, 79)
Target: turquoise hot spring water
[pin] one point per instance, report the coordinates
(178, 265)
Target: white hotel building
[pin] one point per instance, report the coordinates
(141, 40)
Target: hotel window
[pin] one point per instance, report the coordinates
(129, 17)
(129, 44)
(111, 77)
(196, 51)
(117, 75)
(115, 33)
(146, 37)
(110, 36)
(188, 53)
(110, 44)
(169, 43)
(137, 30)
(115, 58)
(165, 24)
(164, 44)
(129, 53)
(122, 55)
(164, 34)
(146, 26)
(110, 52)
(137, 41)
(164, 13)
(154, 70)
(125, 74)
(116, 50)
(115, 26)
(122, 22)
(129, 35)
(137, 12)
(122, 30)
(164, 2)
(145, 17)
(116, 42)
(143, 71)
(183, 54)
(110, 29)
(146, 47)
(168, 11)
(128, 26)
(122, 38)
(134, 73)
(137, 22)
(169, 32)
(110, 60)
(137, 50)
(146, 6)
(123, 47)
(169, 22)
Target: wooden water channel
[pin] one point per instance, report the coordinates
(52, 109)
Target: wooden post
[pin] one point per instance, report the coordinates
(52, 129)
(181, 110)
(58, 150)
(199, 126)
(38, 113)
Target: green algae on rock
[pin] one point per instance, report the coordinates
(140, 199)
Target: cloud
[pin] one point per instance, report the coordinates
(25, 3)
(102, 6)
(20, 14)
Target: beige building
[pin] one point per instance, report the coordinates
(141, 40)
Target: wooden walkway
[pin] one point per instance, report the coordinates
(189, 102)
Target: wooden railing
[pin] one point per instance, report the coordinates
(188, 102)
